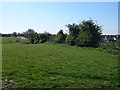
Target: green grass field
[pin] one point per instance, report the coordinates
(50, 65)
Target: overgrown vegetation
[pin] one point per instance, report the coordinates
(110, 47)
(60, 37)
(87, 33)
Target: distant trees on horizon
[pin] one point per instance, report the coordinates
(87, 33)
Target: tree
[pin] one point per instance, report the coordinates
(60, 37)
(90, 34)
(43, 37)
(32, 36)
(0, 34)
(73, 33)
(29, 33)
(83, 39)
(87, 33)
(14, 34)
(48, 36)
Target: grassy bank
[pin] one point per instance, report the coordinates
(57, 66)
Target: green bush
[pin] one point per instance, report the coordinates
(87, 33)
(60, 37)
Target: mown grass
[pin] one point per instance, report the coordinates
(8, 40)
(57, 66)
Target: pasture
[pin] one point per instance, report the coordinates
(51, 65)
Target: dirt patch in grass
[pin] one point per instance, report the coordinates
(7, 83)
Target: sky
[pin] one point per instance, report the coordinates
(53, 16)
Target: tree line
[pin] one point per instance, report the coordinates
(87, 33)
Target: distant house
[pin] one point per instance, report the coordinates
(118, 38)
(106, 38)
(111, 38)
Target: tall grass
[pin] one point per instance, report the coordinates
(110, 47)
